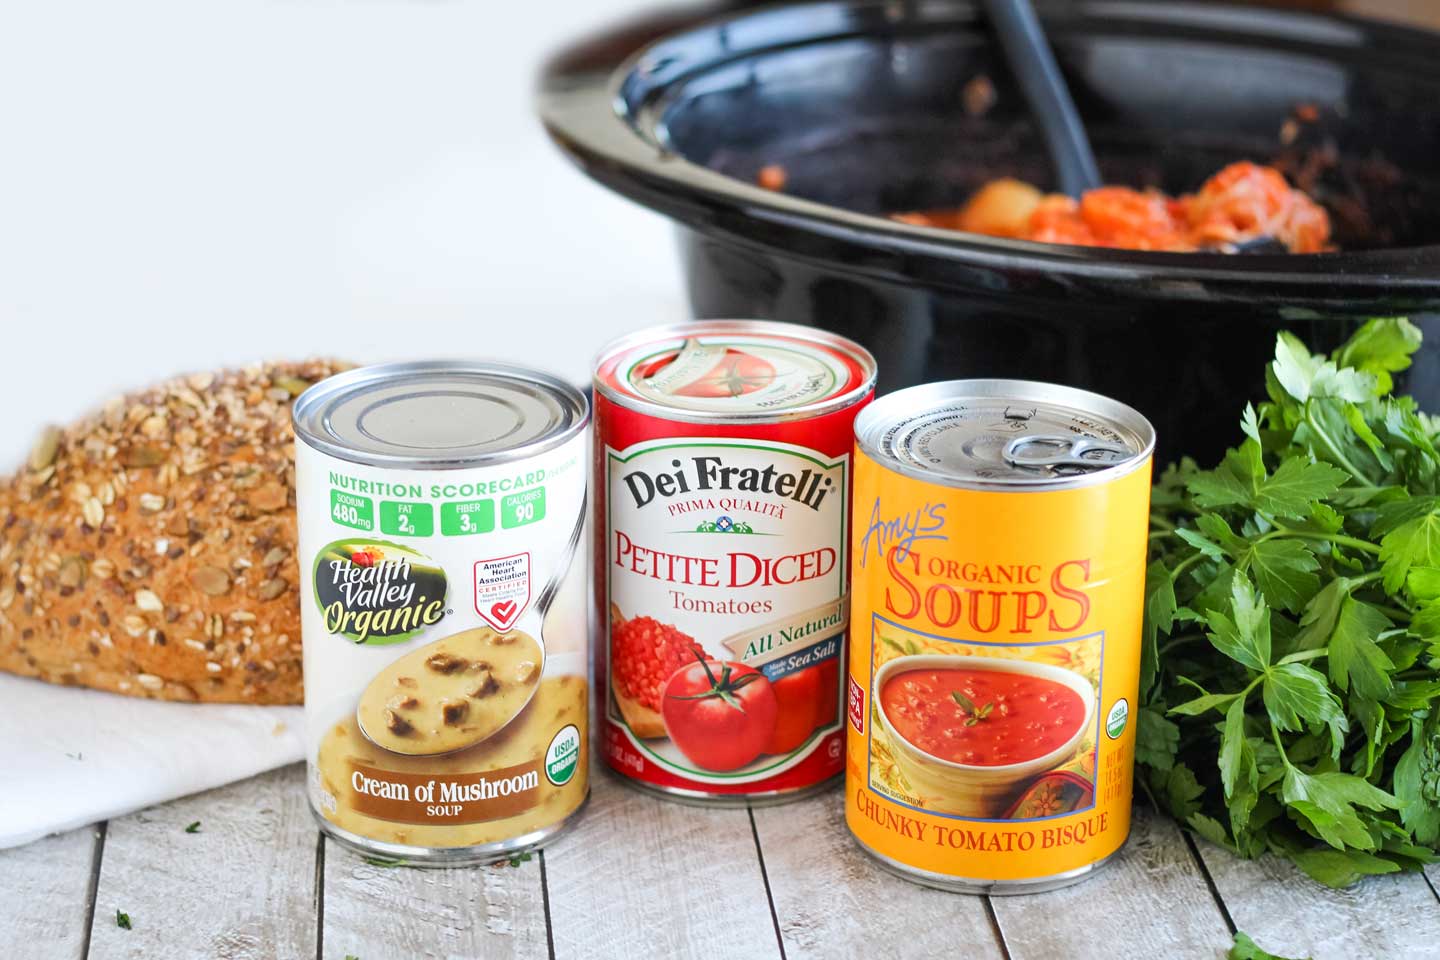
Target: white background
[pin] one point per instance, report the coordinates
(187, 184)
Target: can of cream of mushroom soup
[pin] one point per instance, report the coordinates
(999, 567)
(442, 507)
(723, 487)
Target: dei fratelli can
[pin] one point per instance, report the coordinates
(722, 483)
(999, 545)
(442, 507)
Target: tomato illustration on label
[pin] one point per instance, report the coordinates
(721, 715)
(798, 694)
(645, 653)
(827, 705)
(735, 375)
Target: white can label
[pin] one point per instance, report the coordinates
(440, 608)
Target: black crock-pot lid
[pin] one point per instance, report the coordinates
(589, 115)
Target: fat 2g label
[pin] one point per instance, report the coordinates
(406, 519)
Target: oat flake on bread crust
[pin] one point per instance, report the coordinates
(149, 549)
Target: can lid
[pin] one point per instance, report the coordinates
(1005, 434)
(438, 414)
(734, 371)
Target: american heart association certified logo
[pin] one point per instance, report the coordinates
(502, 589)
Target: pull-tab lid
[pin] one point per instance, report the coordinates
(439, 414)
(1004, 433)
(1061, 451)
(725, 371)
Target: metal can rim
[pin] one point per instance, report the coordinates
(1084, 400)
(566, 393)
(823, 338)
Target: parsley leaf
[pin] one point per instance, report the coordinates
(1417, 780)
(1283, 570)
(1247, 949)
(1340, 868)
(1411, 531)
(1237, 759)
(1156, 738)
(1354, 654)
(1382, 347)
(1245, 638)
(122, 920)
(1182, 792)
(1296, 694)
(1295, 485)
(1330, 801)
(1295, 367)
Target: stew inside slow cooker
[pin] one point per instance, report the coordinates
(1243, 204)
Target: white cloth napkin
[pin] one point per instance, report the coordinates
(70, 756)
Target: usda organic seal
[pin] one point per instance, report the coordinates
(562, 757)
(1117, 718)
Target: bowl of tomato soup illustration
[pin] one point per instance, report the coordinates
(970, 732)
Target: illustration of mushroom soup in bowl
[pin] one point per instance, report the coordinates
(971, 733)
(452, 694)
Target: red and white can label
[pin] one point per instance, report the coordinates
(727, 608)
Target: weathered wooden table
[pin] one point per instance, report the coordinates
(639, 878)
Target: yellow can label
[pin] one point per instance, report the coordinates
(994, 669)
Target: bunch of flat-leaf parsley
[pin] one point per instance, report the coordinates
(1291, 664)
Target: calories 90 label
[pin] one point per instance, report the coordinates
(459, 518)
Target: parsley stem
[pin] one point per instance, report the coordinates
(1334, 450)
(1180, 641)
(1301, 655)
(1180, 567)
(1279, 745)
(1353, 542)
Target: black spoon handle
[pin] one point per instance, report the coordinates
(1033, 64)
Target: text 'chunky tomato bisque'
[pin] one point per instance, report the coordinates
(723, 478)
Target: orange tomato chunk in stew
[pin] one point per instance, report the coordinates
(997, 718)
(1244, 202)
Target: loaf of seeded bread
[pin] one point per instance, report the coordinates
(149, 550)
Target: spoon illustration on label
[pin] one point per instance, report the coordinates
(451, 694)
(461, 690)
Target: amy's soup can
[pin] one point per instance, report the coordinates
(999, 570)
(722, 484)
(441, 510)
